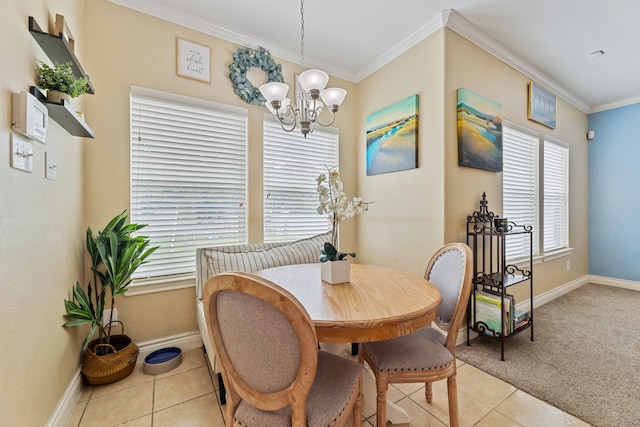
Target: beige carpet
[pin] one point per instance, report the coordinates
(585, 358)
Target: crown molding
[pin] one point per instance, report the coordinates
(612, 105)
(398, 49)
(449, 18)
(194, 23)
(471, 32)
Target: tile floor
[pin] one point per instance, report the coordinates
(187, 397)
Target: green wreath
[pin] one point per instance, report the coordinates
(243, 60)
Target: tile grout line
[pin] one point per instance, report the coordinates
(153, 401)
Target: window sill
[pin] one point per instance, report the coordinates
(557, 254)
(538, 259)
(160, 284)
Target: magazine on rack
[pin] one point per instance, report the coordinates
(488, 306)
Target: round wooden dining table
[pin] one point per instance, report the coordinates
(378, 303)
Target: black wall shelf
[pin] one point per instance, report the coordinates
(64, 115)
(58, 50)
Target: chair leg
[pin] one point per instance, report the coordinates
(223, 394)
(357, 408)
(428, 392)
(382, 384)
(452, 391)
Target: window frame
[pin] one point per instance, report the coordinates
(237, 115)
(540, 255)
(547, 168)
(534, 170)
(307, 224)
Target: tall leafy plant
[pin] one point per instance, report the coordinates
(115, 255)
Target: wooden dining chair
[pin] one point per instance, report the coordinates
(429, 354)
(272, 368)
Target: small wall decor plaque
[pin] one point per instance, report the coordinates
(60, 28)
(193, 60)
(542, 105)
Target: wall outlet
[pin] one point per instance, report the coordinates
(568, 265)
(105, 316)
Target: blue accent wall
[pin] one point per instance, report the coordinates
(614, 193)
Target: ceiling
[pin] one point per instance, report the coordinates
(547, 40)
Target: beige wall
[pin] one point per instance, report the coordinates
(43, 222)
(41, 226)
(405, 225)
(473, 68)
(142, 52)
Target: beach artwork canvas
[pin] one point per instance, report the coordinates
(392, 137)
(479, 132)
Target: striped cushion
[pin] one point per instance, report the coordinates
(254, 257)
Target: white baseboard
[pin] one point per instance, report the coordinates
(542, 299)
(64, 409)
(618, 283)
(538, 300)
(65, 406)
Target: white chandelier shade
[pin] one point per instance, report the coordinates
(307, 107)
(313, 80)
(274, 91)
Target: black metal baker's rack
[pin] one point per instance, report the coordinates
(487, 236)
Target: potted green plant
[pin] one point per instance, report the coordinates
(60, 82)
(115, 255)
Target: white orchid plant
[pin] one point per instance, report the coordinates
(333, 202)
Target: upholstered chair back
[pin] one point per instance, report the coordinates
(264, 339)
(450, 271)
(252, 350)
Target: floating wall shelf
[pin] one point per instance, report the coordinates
(64, 115)
(58, 50)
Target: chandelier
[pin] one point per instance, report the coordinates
(308, 106)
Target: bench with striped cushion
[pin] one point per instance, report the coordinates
(249, 258)
(254, 257)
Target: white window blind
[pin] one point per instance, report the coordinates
(520, 186)
(188, 177)
(556, 195)
(291, 166)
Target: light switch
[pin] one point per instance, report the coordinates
(21, 153)
(51, 166)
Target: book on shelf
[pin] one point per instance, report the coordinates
(520, 319)
(489, 308)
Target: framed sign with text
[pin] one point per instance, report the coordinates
(193, 60)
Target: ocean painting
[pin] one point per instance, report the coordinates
(392, 137)
(479, 132)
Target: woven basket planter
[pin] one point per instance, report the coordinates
(101, 369)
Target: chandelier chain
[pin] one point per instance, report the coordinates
(301, 35)
(306, 108)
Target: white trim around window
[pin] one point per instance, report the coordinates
(520, 187)
(188, 180)
(556, 195)
(291, 165)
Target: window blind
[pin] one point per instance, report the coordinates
(291, 166)
(556, 195)
(520, 186)
(188, 177)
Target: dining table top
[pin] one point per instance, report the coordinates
(378, 303)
